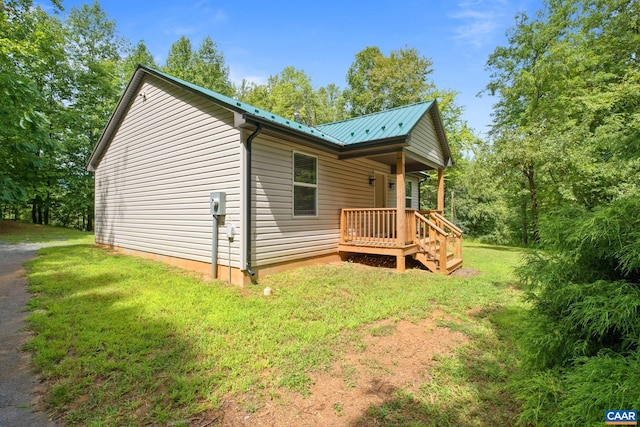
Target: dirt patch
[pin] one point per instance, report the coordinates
(465, 272)
(391, 356)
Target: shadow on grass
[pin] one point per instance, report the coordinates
(405, 410)
(498, 248)
(470, 388)
(95, 345)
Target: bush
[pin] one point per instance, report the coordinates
(582, 339)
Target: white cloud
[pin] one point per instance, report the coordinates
(180, 31)
(203, 8)
(220, 16)
(237, 77)
(479, 20)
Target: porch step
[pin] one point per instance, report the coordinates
(452, 263)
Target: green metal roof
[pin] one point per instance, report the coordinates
(249, 109)
(386, 124)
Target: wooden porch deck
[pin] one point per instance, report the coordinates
(428, 237)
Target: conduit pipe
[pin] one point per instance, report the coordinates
(248, 172)
(214, 248)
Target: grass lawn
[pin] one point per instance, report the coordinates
(126, 341)
(18, 232)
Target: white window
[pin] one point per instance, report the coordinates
(408, 194)
(305, 185)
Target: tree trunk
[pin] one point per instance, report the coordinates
(523, 215)
(34, 211)
(534, 203)
(90, 219)
(47, 203)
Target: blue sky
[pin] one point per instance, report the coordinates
(261, 38)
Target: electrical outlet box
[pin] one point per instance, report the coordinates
(218, 203)
(231, 232)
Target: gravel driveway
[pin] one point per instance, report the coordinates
(18, 386)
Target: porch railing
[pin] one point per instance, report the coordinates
(375, 227)
(438, 240)
(454, 233)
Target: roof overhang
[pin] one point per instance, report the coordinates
(373, 148)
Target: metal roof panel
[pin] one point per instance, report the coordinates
(392, 123)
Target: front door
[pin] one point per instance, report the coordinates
(380, 196)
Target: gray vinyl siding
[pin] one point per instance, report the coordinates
(429, 148)
(278, 235)
(153, 183)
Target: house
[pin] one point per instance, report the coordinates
(284, 194)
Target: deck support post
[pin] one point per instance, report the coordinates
(400, 210)
(440, 206)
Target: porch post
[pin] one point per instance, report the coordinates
(440, 207)
(400, 210)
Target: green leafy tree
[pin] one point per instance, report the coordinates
(52, 76)
(94, 53)
(330, 104)
(569, 86)
(377, 82)
(24, 126)
(205, 67)
(289, 94)
(478, 202)
(210, 68)
(179, 62)
(138, 54)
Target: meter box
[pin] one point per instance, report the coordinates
(218, 203)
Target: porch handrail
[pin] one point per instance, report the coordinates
(455, 233)
(432, 240)
(446, 222)
(432, 225)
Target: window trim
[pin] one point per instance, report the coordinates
(408, 185)
(295, 184)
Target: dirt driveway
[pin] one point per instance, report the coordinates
(18, 386)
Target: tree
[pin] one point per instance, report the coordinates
(24, 126)
(288, 94)
(210, 69)
(52, 76)
(94, 53)
(377, 82)
(330, 105)
(179, 62)
(569, 102)
(139, 54)
(526, 75)
(205, 67)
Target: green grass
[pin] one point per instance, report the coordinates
(20, 232)
(126, 341)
